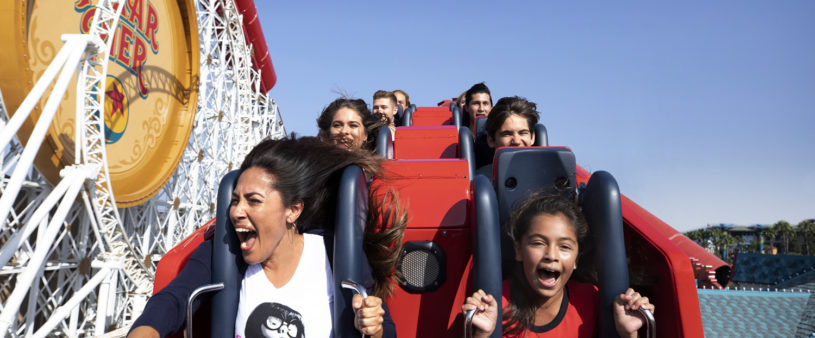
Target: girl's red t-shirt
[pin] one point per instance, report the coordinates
(577, 316)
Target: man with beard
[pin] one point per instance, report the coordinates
(384, 107)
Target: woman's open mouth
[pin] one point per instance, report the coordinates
(247, 238)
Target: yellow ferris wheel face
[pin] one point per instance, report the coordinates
(150, 89)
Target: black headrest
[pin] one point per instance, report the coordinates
(227, 261)
(601, 203)
(456, 115)
(487, 256)
(350, 262)
(526, 169)
(407, 116)
(466, 149)
(384, 143)
(483, 152)
(400, 114)
(541, 136)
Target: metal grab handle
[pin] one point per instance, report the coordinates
(354, 286)
(650, 323)
(468, 323)
(195, 293)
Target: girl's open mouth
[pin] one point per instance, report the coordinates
(548, 278)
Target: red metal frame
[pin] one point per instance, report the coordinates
(439, 197)
(663, 270)
(254, 36)
(432, 116)
(174, 260)
(425, 142)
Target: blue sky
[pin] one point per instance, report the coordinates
(703, 111)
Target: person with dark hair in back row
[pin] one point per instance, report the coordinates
(402, 98)
(478, 103)
(384, 107)
(349, 124)
(510, 124)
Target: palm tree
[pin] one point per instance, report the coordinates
(700, 236)
(806, 230)
(722, 240)
(770, 233)
(786, 232)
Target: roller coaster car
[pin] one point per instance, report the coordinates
(453, 243)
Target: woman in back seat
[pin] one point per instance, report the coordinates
(349, 124)
(286, 189)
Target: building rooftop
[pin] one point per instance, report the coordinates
(770, 269)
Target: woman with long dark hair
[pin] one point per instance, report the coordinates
(285, 189)
(349, 124)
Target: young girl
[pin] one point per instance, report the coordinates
(539, 299)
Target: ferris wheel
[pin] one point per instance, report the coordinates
(117, 120)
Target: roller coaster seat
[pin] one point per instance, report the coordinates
(384, 143)
(519, 171)
(433, 143)
(457, 118)
(426, 142)
(345, 242)
(407, 116)
(432, 116)
(441, 235)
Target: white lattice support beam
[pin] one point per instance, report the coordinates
(75, 44)
(24, 280)
(92, 83)
(60, 313)
(15, 241)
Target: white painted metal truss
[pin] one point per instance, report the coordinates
(89, 269)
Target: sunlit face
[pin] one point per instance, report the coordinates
(385, 108)
(347, 129)
(479, 105)
(259, 216)
(401, 100)
(548, 254)
(513, 133)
